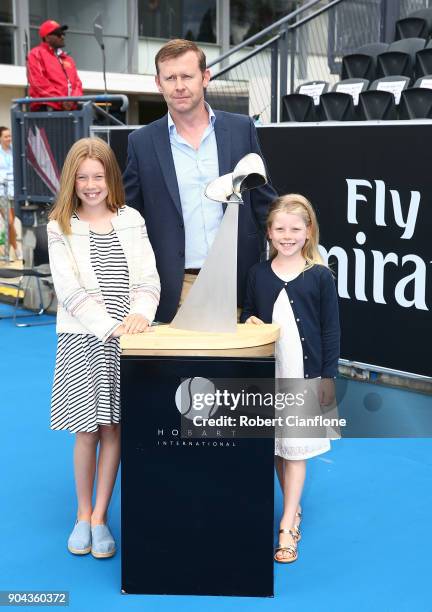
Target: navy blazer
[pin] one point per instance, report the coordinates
(151, 187)
(314, 302)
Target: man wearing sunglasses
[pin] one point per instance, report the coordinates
(51, 72)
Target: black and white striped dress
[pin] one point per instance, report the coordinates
(86, 390)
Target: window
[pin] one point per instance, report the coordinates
(248, 17)
(79, 15)
(178, 19)
(6, 11)
(7, 33)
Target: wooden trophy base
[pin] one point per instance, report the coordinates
(250, 340)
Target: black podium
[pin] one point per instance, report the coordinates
(197, 514)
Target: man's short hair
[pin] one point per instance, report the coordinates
(176, 48)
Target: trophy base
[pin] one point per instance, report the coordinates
(249, 340)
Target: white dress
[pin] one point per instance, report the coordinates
(289, 364)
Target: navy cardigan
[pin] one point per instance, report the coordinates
(314, 301)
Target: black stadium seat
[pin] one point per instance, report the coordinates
(337, 107)
(416, 103)
(374, 105)
(394, 84)
(362, 63)
(399, 58)
(304, 104)
(416, 25)
(339, 104)
(298, 107)
(424, 81)
(423, 63)
(352, 87)
(382, 98)
(313, 88)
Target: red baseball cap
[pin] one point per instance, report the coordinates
(47, 27)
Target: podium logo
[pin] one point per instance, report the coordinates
(196, 397)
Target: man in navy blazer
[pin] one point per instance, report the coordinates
(171, 160)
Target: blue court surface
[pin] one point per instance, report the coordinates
(367, 535)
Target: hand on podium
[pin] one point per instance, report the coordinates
(254, 321)
(132, 324)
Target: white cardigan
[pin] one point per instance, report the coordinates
(81, 308)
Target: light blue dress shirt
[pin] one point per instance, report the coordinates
(6, 172)
(194, 170)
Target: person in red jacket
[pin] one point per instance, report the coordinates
(52, 72)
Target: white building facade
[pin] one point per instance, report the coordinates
(134, 30)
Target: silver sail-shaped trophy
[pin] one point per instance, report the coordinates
(211, 304)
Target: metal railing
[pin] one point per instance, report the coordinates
(306, 45)
(41, 142)
(250, 83)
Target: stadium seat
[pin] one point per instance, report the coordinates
(313, 89)
(304, 104)
(298, 107)
(399, 58)
(416, 103)
(424, 81)
(374, 105)
(336, 106)
(362, 63)
(353, 87)
(423, 64)
(393, 84)
(417, 24)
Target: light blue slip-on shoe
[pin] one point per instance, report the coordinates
(79, 542)
(103, 544)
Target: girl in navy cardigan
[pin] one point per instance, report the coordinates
(296, 290)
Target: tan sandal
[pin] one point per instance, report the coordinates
(291, 549)
(296, 533)
(296, 528)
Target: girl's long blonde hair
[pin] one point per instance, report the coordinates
(298, 205)
(67, 201)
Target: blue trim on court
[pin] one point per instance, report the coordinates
(366, 530)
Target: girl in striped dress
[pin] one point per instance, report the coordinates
(107, 285)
